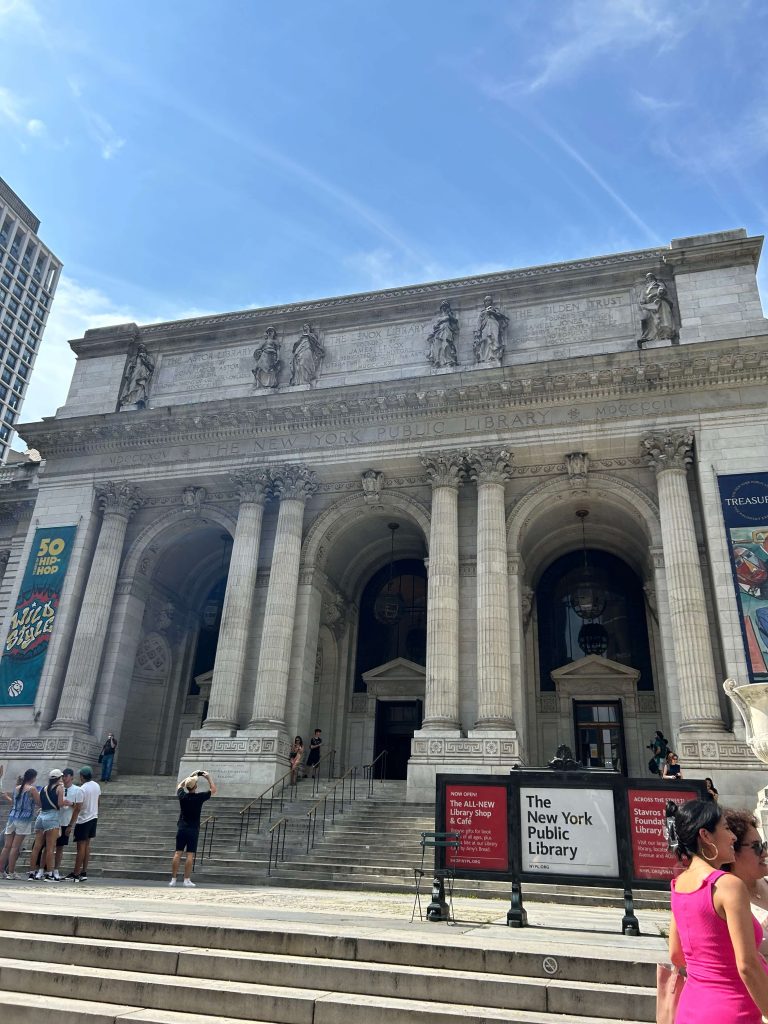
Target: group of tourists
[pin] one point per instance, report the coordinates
(50, 814)
(719, 905)
(296, 755)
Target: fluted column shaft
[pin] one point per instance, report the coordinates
(490, 468)
(441, 698)
(117, 502)
(232, 648)
(293, 485)
(670, 455)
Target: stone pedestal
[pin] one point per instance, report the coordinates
(242, 766)
(449, 753)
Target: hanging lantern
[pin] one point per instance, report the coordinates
(389, 606)
(587, 599)
(593, 639)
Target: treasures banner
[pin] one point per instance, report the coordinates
(744, 500)
(34, 616)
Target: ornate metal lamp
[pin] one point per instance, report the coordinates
(587, 598)
(593, 638)
(389, 606)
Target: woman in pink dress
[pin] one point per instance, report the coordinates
(713, 934)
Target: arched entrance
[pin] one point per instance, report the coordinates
(166, 692)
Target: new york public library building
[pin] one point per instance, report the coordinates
(463, 522)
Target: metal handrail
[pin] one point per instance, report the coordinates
(369, 770)
(207, 839)
(277, 834)
(329, 760)
(349, 775)
(269, 793)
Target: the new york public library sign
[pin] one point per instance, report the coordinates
(569, 828)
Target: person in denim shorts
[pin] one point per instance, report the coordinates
(47, 827)
(19, 826)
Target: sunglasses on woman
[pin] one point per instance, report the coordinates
(759, 847)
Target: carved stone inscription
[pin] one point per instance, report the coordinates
(575, 321)
(389, 345)
(204, 371)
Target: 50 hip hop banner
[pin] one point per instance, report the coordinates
(34, 616)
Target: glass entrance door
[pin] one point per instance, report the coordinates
(599, 729)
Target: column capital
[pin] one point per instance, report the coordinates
(293, 482)
(489, 465)
(252, 486)
(445, 469)
(669, 449)
(118, 499)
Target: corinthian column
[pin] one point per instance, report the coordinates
(117, 502)
(670, 454)
(490, 469)
(445, 471)
(226, 685)
(292, 485)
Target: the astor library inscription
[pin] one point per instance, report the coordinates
(204, 371)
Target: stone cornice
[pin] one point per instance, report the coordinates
(672, 370)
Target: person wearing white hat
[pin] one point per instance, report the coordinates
(188, 828)
(47, 826)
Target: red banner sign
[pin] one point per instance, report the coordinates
(650, 857)
(479, 815)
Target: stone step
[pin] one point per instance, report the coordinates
(30, 1008)
(157, 968)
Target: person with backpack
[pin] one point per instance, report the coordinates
(19, 825)
(660, 747)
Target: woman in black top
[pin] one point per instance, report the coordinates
(672, 769)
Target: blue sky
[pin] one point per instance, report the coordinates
(205, 156)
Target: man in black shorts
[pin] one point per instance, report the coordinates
(190, 805)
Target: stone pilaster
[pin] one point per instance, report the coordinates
(292, 485)
(490, 468)
(670, 454)
(445, 471)
(117, 502)
(228, 671)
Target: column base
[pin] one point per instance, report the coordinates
(492, 752)
(218, 727)
(483, 726)
(243, 765)
(442, 725)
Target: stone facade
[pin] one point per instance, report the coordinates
(207, 488)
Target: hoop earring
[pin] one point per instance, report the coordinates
(714, 855)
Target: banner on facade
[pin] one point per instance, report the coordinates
(744, 500)
(34, 616)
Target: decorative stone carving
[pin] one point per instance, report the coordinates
(252, 485)
(526, 605)
(441, 342)
(137, 378)
(372, 481)
(119, 499)
(669, 450)
(293, 482)
(445, 469)
(334, 613)
(489, 465)
(489, 334)
(307, 357)
(657, 315)
(192, 499)
(577, 467)
(165, 616)
(266, 357)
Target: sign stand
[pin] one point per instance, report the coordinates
(629, 923)
(517, 915)
(438, 908)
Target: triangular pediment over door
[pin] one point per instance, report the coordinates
(399, 679)
(596, 678)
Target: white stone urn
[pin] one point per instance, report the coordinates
(752, 702)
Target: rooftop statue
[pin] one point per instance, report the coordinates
(441, 343)
(489, 333)
(266, 357)
(308, 355)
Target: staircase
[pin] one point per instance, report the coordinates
(373, 846)
(93, 967)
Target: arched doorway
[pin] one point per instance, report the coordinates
(177, 641)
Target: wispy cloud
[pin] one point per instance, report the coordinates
(102, 132)
(654, 104)
(12, 111)
(590, 29)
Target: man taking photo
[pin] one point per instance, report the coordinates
(190, 806)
